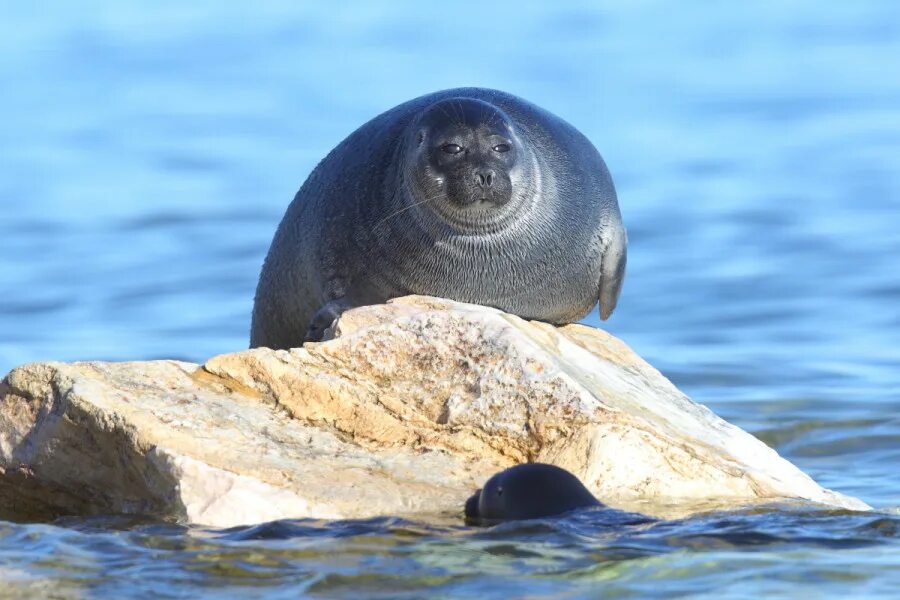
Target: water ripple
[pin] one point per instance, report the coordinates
(150, 149)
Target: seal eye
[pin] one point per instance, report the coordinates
(451, 148)
(501, 148)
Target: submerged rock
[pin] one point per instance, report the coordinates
(408, 409)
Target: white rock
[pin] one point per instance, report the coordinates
(411, 407)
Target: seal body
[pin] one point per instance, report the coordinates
(529, 491)
(469, 194)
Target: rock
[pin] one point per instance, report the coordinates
(407, 410)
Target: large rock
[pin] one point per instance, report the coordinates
(407, 410)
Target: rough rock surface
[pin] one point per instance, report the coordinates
(407, 410)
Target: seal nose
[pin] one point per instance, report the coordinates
(484, 179)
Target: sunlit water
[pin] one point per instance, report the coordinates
(148, 152)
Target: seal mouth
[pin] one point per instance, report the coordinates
(482, 203)
(481, 216)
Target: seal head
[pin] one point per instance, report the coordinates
(529, 491)
(465, 162)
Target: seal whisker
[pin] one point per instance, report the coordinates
(448, 115)
(462, 114)
(405, 208)
(492, 115)
(452, 108)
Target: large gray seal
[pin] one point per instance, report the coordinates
(470, 194)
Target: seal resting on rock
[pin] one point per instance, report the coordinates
(529, 491)
(469, 194)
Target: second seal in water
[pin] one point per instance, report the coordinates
(469, 194)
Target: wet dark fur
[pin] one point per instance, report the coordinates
(529, 491)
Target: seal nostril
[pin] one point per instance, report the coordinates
(479, 180)
(490, 178)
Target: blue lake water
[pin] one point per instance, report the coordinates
(149, 149)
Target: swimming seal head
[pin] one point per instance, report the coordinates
(529, 491)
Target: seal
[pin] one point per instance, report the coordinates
(529, 491)
(469, 194)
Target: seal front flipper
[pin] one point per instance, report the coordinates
(612, 266)
(324, 318)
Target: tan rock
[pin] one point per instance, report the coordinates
(409, 408)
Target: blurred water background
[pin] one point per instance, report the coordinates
(149, 149)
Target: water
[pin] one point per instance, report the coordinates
(148, 151)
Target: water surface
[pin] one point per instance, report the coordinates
(149, 149)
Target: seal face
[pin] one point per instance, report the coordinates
(529, 491)
(464, 160)
(469, 194)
